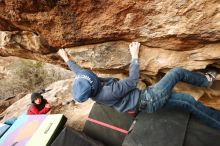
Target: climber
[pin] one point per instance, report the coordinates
(39, 104)
(125, 97)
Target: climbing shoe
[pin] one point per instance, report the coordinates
(211, 73)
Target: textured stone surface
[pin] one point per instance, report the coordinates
(115, 55)
(26, 44)
(74, 22)
(24, 75)
(97, 32)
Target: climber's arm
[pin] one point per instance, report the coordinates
(122, 87)
(72, 65)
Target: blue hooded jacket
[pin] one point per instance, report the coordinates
(123, 94)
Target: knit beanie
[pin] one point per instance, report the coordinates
(34, 96)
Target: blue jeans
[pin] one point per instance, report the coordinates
(161, 95)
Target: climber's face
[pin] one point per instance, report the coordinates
(38, 100)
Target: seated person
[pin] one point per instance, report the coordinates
(39, 105)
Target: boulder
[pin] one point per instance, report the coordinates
(24, 75)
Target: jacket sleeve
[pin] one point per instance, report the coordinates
(122, 87)
(32, 111)
(73, 66)
(45, 109)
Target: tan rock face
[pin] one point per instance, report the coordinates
(26, 44)
(172, 33)
(24, 76)
(64, 23)
(115, 55)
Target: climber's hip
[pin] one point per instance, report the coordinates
(151, 100)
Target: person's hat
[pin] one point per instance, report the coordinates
(86, 84)
(34, 96)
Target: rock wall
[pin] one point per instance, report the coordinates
(97, 33)
(23, 76)
(182, 24)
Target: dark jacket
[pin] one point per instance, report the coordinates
(123, 94)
